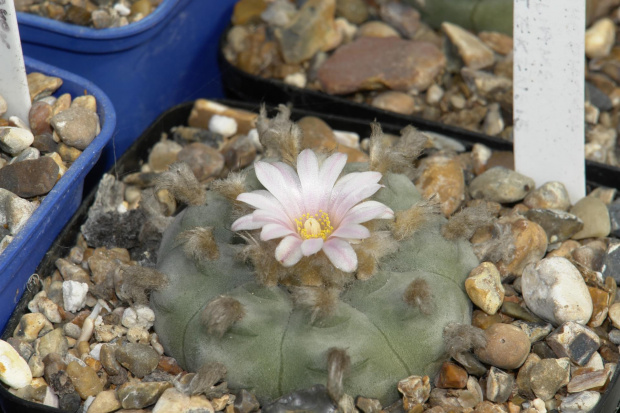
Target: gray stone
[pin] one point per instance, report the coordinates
(574, 341)
(137, 395)
(598, 98)
(22, 347)
(614, 217)
(205, 161)
(559, 225)
(614, 336)
(535, 331)
(140, 359)
(246, 402)
(611, 266)
(548, 376)
(580, 402)
(402, 17)
(310, 31)
(76, 126)
(499, 385)
(473, 366)
(29, 153)
(53, 342)
(501, 185)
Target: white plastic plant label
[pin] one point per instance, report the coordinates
(549, 92)
(13, 82)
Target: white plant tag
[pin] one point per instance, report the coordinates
(549, 92)
(13, 82)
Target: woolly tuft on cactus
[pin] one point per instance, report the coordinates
(271, 306)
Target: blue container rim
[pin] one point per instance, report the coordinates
(161, 13)
(74, 174)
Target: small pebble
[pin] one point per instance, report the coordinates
(554, 290)
(74, 295)
(506, 346)
(548, 376)
(484, 287)
(574, 341)
(501, 185)
(223, 125)
(13, 140)
(580, 402)
(14, 370)
(76, 126)
(595, 216)
(140, 359)
(137, 395)
(172, 400)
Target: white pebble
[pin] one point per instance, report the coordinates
(296, 79)
(17, 121)
(51, 399)
(138, 316)
(580, 402)
(350, 139)
(14, 140)
(122, 9)
(87, 403)
(224, 125)
(554, 290)
(74, 295)
(253, 137)
(95, 352)
(14, 370)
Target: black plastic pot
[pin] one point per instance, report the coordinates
(131, 162)
(240, 85)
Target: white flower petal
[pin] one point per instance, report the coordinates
(350, 183)
(351, 231)
(288, 251)
(341, 254)
(340, 209)
(261, 199)
(283, 183)
(246, 222)
(311, 246)
(328, 174)
(366, 211)
(273, 231)
(273, 217)
(311, 188)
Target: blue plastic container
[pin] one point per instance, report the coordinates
(166, 58)
(20, 259)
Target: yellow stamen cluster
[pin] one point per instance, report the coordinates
(314, 226)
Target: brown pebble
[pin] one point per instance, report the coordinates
(451, 376)
(507, 346)
(39, 117)
(205, 161)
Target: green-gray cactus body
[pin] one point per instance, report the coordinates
(275, 348)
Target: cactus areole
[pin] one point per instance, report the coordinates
(307, 262)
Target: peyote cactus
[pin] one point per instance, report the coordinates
(272, 319)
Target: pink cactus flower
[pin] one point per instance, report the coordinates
(312, 210)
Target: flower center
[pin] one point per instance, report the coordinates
(314, 226)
